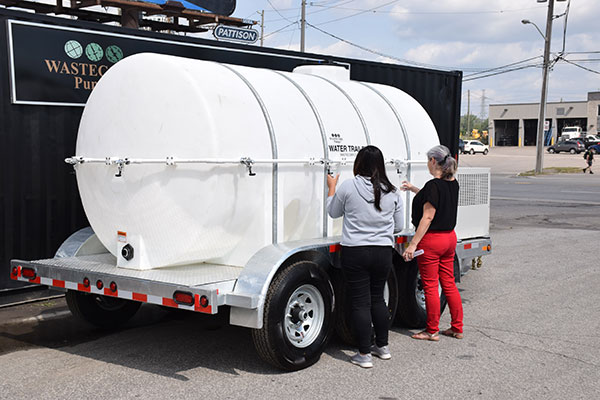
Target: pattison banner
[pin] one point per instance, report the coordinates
(58, 65)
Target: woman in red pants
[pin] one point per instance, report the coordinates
(434, 214)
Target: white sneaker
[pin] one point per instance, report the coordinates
(381, 352)
(365, 361)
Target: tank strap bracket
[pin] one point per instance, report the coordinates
(248, 162)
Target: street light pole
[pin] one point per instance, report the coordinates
(542, 116)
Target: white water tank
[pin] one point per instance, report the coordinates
(151, 107)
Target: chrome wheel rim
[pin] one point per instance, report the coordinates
(420, 292)
(304, 316)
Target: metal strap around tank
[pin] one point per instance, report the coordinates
(360, 116)
(406, 142)
(275, 173)
(323, 138)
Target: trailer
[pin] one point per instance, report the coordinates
(196, 210)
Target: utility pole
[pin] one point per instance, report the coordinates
(468, 112)
(262, 27)
(542, 116)
(303, 26)
(482, 113)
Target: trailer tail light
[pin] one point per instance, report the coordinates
(185, 298)
(86, 282)
(28, 273)
(113, 287)
(15, 271)
(204, 301)
(99, 284)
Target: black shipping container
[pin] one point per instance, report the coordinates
(39, 201)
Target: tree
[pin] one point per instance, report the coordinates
(474, 123)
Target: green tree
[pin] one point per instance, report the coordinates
(474, 123)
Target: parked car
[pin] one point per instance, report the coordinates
(572, 146)
(590, 141)
(475, 146)
(461, 146)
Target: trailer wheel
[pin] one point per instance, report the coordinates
(297, 317)
(411, 308)
(343, 325)
(103, 311)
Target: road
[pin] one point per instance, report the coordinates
(532, 329)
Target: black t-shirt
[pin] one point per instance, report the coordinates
(443, 196)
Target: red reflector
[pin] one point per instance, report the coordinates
(28, 273)
(99, 284)
(15, 271)
(184, 298)
(204, 301)
(86, 282)
(113, 287)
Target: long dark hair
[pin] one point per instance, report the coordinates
(369, 163)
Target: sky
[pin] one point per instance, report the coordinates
(468, 35)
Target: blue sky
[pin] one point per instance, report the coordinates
(469, 35)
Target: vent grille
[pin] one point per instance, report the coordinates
(473, 189)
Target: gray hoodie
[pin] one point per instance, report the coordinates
(363, 224)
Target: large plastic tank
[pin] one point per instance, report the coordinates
(150, 107)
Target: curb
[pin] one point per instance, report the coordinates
(38, 318)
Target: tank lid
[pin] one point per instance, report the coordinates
(333, 72)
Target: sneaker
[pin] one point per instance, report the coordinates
(381, 352)
(365, 361)
(591, 172)
(583, 170)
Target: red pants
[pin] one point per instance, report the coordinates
(437, 264)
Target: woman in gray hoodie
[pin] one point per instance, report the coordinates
(373, 211)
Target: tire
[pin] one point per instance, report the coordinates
(572, 151)
(300, 292)
(343, 325)
(102, 311)
(551, 150)
(485, 152)
(411, 301)
(472, 151)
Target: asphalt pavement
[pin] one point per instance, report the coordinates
(531, 326)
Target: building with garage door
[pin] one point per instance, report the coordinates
(516, 124)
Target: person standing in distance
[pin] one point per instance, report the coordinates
(434, 212)
(589, 157)
(373, 211)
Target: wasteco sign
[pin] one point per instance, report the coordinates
(52, 66)
(89, 67)
(239, 34)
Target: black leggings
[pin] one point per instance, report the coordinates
(366, 270)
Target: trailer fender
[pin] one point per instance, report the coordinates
(81, 243)
(253, 283)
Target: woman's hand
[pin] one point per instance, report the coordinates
(409, 253)
(406, 185)
(332, 183)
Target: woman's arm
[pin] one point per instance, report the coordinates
(424, 223)
(335, 206)
(332, 183)
(406, 185)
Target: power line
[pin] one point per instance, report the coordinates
(501, 72)
(280, 29)
(282, 16)
(434, 12)
(360, 12)
(501, 67)
(582, 67)
(377, 52)
(325, 8)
